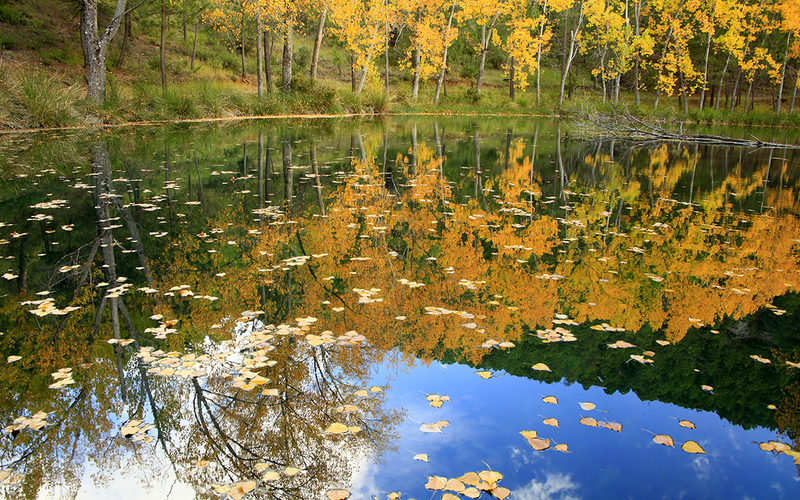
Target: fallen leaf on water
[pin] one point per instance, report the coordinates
(614, 426)
(687, 424)
(436, 483)
(550, 421)
(662, 342)
(470, 478)
(500, 492)
(436, 427)
(454, 485)
(692, 447)
(271, 476)
(291, 471)
(766, 447)
(239, 490)
(707, 388)
(490, 476)
(664, 439)
(337, 494)
(336, 428)
(587, 406)
(471, 492)
(423, 457)
(449, 496)
(589, 421)
(539, 444)
(346, 408)
(541, 367)
(528, 434)
(550, 399)
(11, 359)
(484, 374)
(562, 447)
(362, 393)
(4, 474)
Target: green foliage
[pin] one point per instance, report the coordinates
(10, 14)
(33, 99)
(180, 104)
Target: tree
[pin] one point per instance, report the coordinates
(523, 43)
(95, 47)
(487, 14)
(572, 38)
(359, 24)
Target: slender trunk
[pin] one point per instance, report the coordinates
(511, 80)
(126, 33)
(386, 48)
(705, 74)
(287, 172)
(539, 56)
(163, 47)
(244, 61)
(721, 82)
(194, 45)
(443, 71)
(95, 46)
(352, 71)
(783, 74)
(318, 43)
(415, 79)
(570, 56)
(270, 42)
(259, 53)
(794, 95)
(286, 83)
(683, 93)
(636, 63)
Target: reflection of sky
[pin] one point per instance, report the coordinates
(486, 417)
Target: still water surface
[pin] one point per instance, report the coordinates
(284, 309)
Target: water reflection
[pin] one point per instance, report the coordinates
(243, 329)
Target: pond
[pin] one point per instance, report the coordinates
(413, 307)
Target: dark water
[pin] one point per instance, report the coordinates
(286, 299)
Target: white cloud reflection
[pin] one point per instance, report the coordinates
(556, 486)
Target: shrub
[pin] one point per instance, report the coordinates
(10, 15)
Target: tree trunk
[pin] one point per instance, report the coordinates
(721, 82)
(794, 95)
(705, 74)
(259, 53)
(539, 56)
(318, 43)
(636, 63)
(244, 61)
(570, 56)
(352, 71)
(386, 48)
(783, 74)
(194, 45)
(95, 47)
(511, 80)
(415, 80)
(126, 33)
(163, 48)
(269, 42)
(482, 63)
(286, 67)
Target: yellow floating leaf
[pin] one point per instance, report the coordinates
(470, 478)
(687, 424)
(766, 446)
(490, 476)
(550, 399)
(271, 476)
(442, 423)
(291, 471)
(347, 408)
(4, 474)
(336, 428)
(780, 447)
(528, 434)
(707, 388)
(201, 463)
(430, 428)
(11, 359)
(423, 457)
(692, 447)
(449, 496)
(562, 447)
(375, 388)
(589, 421)
(587, 406)
(436, 483)
(541, 367)
(362, 393)
(613, 426)
(500, 492)
(337, 494)
(539, 444)
(550, 421)
(354, 429)
(237, 493)
(662, 342)
(484, 374)
(454, 485)
(270, 392)
(471, 492)
(436, 403)
(664, 439)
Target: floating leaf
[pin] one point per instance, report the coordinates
(436, 483)
(448, 496)
(692, 447)
(423, 457)
(291, 471)
(336, 428)
(539, 444)
(471, 478)
(471, 492)
(562, 447)
(502, 493)
(687, 424)
(613, 426)
(528, 434)
(664, 439)
(337, 494)
(484, 374)
(490, 476)
(707, 388)
(454, 485)
(4, 474)
(766, 446)
(550, 421)
(589, 421)
(587, 406)
(11, 359)
(271, 476)
(541, 367)
(550, 399)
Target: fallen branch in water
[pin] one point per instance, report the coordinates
(620, 124)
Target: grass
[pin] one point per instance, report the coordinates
(36, 100)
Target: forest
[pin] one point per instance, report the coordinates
(704, 60)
